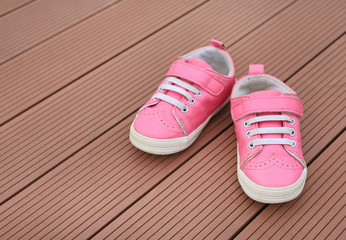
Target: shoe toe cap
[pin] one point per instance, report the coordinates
(280, 174)
(154, 124)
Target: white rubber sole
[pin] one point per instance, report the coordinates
(271, 195)
(168, 146)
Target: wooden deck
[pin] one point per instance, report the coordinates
(73, 75)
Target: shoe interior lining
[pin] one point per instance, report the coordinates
(259, 83)
(216, 58)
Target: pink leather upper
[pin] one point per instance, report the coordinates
(162, 120)
(256, 69)
(268, 165)
(217, 44)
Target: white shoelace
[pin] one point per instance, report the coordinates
(179, 90)
(280, 130)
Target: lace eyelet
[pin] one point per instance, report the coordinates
(160, 89)
(251, 145)
(292, 122)
(293, 133)
(193, 101)
(185, 109)
(246, 124)
(198, 94)
(248, 134)
(294, 144)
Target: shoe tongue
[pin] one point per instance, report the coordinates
(198, 63)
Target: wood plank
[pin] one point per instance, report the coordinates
(325, 221)
(117, 169)
(203, 199)
(36, 74)
(41, 138)
(6, 6)
(338, 231)
(40, 20)
(322, 199)
(106, 177)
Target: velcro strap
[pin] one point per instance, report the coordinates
(196, 75)
(243, 106)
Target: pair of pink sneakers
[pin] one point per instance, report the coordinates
(265, 111)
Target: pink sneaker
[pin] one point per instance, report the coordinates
(265, 111)
(196, 87)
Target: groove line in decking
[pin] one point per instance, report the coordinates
(38, 117)
(124, 83)
(98, 199)
(90, 123)
(309, 36)
(54, 116)
(311, 112)
(44, 194)
(263, 234)
(327, 207)
(72, 94)
(305, 101)
(333, 179)
(317, 59)
(155, 208)
(12, 6)
(332, 219)
(176, 196)
(336, 227)
(289, 44)
(151, 170)
(173, 224)
(272, 28)
(324, 57)
(25, 89)
(21, 31)
(58, 129)
(320, 167)
(90, 54)
(78, 30)
(124, 133)
(54, 196)
(90, 86)
(171, 232)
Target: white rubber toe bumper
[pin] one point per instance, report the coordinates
(271, 195)
(164, 146)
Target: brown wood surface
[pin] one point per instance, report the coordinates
(74, 73)
(40, 20)
(45, 69)
(7, 6)
(201, 220)
(322, 200)
(47, 134)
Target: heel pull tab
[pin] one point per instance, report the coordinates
(255, 69)
(217, 44)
